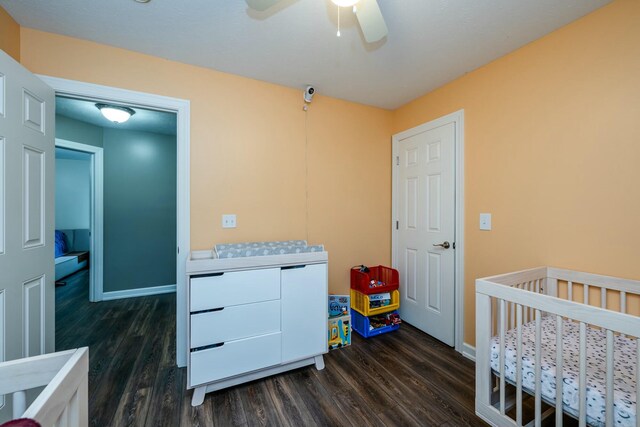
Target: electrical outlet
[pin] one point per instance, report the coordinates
(229, 221)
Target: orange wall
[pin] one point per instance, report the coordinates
(9, 35)
(248, 152)
(552, 150)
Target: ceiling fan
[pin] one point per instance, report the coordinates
(367, 11)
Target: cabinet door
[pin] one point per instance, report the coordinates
(304, 311)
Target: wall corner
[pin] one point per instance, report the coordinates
(9, 35)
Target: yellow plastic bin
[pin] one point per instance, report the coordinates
(362, 303)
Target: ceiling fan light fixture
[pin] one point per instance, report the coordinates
(115, 113)
(345, 3)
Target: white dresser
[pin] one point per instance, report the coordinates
(252, 317)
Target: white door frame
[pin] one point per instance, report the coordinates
(182, 108)
(96, 219)
(458, 119)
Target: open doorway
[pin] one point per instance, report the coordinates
(74, 178)
(181, 109)
(117, 195)
(79, 195)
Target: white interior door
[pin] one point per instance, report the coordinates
(425, 187)
(26, 214)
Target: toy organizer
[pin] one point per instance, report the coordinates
(368, 305)
(375, 300)
(374, 325)
(384, 279)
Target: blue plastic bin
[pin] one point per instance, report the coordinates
(360, 324)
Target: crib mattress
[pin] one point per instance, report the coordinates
(624, 368)
(234, 250)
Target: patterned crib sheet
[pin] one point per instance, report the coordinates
(624, 368)
(235, 250)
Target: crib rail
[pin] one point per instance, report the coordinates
(64, 400)
(508, 301)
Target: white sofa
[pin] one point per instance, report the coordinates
(77, 256)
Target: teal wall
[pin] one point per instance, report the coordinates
(77, 131)
(73, 194)
(139, 210)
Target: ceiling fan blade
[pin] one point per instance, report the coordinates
(371, 20)
(261, 5)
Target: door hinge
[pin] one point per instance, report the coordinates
(397, 225)
(178, 250)
(397, 160)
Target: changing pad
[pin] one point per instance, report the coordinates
(235, 250)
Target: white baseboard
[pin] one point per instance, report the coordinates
(469, 351)
(140, 292)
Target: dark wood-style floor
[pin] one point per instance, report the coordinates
(405, 378)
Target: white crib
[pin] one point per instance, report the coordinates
(522, 318)
(64, 400)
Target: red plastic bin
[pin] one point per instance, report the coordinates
(360, 281)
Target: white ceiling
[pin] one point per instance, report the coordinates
(143, 120)
(430, 42)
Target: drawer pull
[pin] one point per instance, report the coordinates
(207, 347)
(207, 275)
(207, 311)
(291, 267)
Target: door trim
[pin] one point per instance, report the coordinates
(96, 219)
(457, 118)
(182, 109)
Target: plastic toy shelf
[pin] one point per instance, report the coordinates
(362, 303)
(361, 281)
(361, 324)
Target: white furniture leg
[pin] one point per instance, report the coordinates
(198, 396)
(319, 362)
(19, 403)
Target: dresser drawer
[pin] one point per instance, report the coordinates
(234, 323)
(234, 358)
(234, 288)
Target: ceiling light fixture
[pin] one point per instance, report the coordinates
(345, 3)
(115, 113)
(143, 1)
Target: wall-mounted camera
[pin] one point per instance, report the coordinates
(308, 93)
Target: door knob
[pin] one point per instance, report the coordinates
(445, 245)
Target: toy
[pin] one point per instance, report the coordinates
(379, 300)
(395, 318)
(376, 284)
(339, 332)
(345, 331)
(334, 336)
(339, 305)
(382, 320)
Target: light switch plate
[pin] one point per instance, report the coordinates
(485, 221)
(229, 221)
